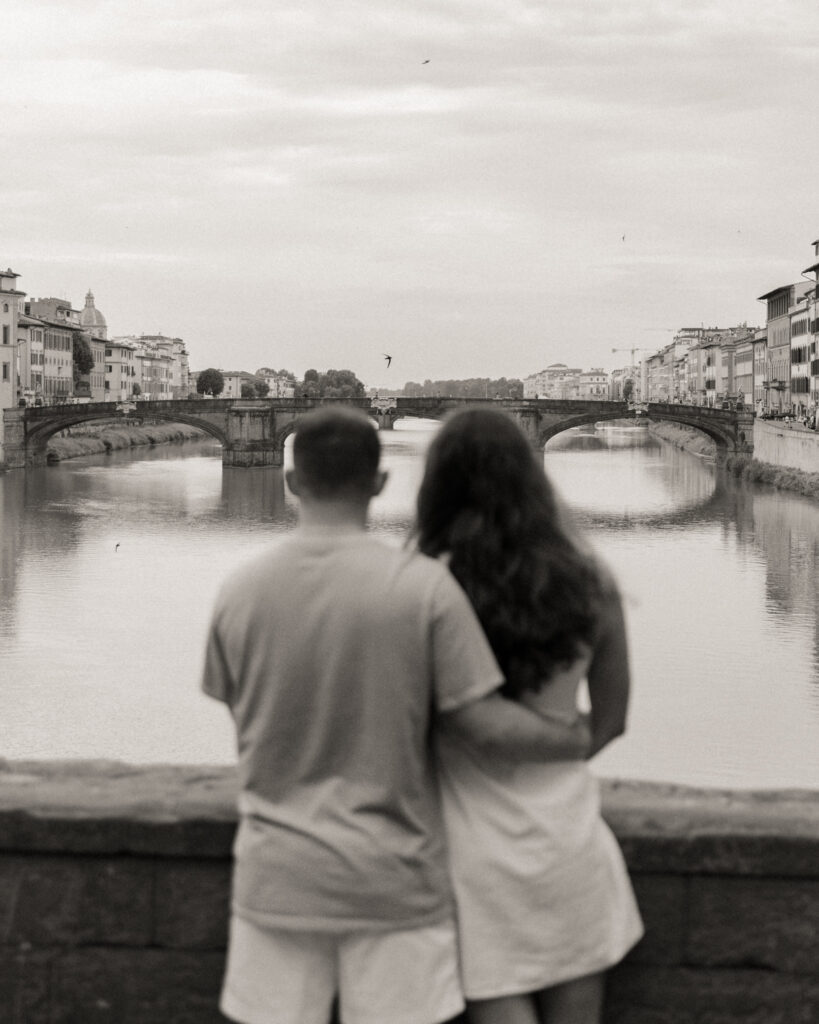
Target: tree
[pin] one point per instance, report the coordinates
(261, 388)
(136, 390)
(628, 389)
(248, 391)
(83, 357)
(340, 384)
(210, 382)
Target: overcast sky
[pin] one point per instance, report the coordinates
(475, 187)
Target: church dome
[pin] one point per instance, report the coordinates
(91, 319)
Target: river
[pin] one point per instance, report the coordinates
(109, 566)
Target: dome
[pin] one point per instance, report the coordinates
(91, 318)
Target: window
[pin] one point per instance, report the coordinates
(6, 371)
(5, 334)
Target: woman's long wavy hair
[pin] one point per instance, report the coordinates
(486, 503)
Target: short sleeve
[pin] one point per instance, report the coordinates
(217, 681)
(464, 667)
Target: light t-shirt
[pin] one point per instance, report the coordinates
(332, 651)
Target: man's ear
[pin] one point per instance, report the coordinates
(292, 479)
(379, 481)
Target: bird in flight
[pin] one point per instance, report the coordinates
(388, 358)
(624, 238)
(425, 62)
(116, 546)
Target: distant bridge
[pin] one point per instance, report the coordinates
(252, 432)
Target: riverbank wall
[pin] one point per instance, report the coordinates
(786, 458)
(92, 439)
(114, 887)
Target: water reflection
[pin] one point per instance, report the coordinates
(100, 646)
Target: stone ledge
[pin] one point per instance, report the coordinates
(104, 807)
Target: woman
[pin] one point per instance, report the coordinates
(545, 905)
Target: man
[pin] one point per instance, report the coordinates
(333, 651)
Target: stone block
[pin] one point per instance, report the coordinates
(770, 923)
(662, 902)
(192, 904)
(668, 995)
(24, 989)
(105, 986)
(49, 901)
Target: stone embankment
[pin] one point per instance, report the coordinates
(97, 440)
(691, 440)
(114, 890)
(796, 445)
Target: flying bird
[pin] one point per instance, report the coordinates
(116, 546)
(425, 62)
(624, 238)
(388, 358)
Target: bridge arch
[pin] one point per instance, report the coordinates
(40, 434)
(725, 435)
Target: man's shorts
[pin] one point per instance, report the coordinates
(284, 977)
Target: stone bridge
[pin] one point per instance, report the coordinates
(252, 432)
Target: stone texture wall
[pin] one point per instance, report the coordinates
(782, 446)
(114, 888)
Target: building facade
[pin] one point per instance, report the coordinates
(11, 307)
(60, 325)
(120, 370)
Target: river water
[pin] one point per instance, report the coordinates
(109, 566)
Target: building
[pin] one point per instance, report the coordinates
(235, 380)
(161, 364)
(744, 368)
(655, 389)
(171, 354)
(800, 378)
(11, 306)
(31, 335)
(812, 339)
(593, 385)
(120, 370)
(96, 333)
(695, 392)
(556, 381)
(779, 304)
(617, 384)
(60, 324)
(760, 369)
(279, 384)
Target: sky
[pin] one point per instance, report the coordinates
(474, 187)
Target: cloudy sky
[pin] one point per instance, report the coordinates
(476, 187)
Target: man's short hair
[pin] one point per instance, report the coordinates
(336, 452)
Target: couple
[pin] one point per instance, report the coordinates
(376, 691)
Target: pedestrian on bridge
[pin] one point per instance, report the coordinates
(544, 901)
(332, 651)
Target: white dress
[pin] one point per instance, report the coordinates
(542, 891)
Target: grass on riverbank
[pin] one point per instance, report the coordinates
(118, 438)
(783, 478)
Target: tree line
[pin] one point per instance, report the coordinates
(472, 387)
(329, 384)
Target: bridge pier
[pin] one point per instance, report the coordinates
(385, 420)
(252, 454)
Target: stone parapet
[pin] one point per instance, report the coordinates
(114, 890)
(786, 445)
